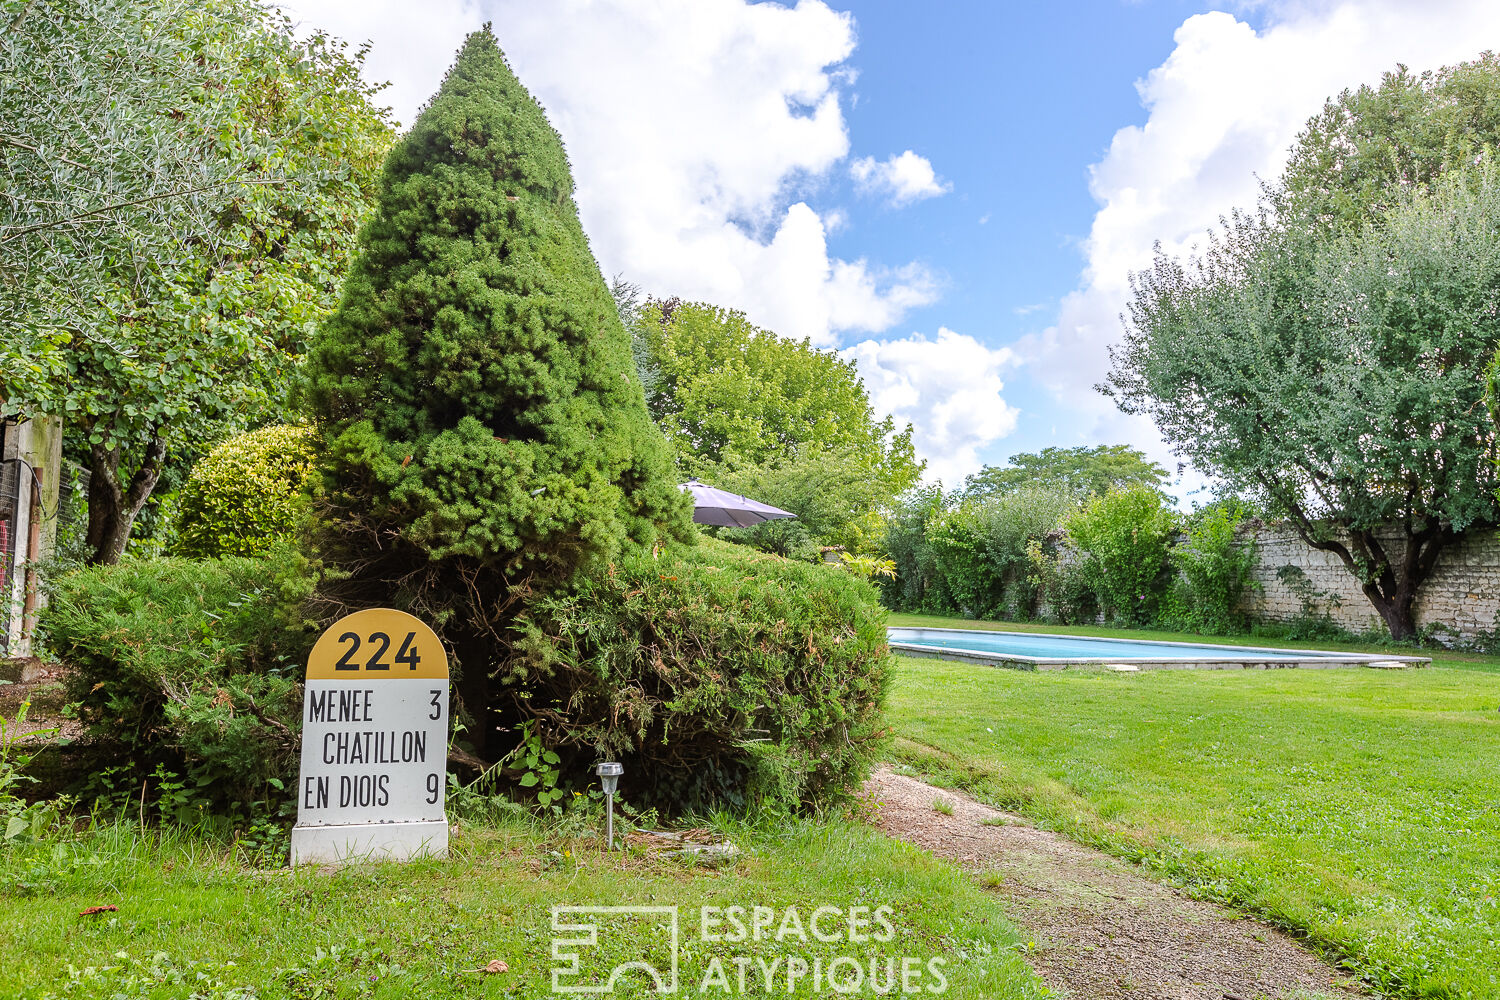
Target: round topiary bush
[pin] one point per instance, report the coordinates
(246, 494)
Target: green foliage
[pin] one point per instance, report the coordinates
(837, 494)
(22, 818)
(247, 494)
(192, 665)
(723, 677)
(538, 766)
(108, 158)
(868, 567)
(243, 158)
(1081, 472)
(731, 393)
(1125, 535)
(774, 419)
(1368, 147)
(486, 436)
(1336, 380)
(1325, 356)
(1061, 582)
(971, 580)
(1011, 522)
(1214, 570)
(977, 552)
(918, 585)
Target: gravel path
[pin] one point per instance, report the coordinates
(1102, 930)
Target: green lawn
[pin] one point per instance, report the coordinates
(193, 924)
(1361, 807)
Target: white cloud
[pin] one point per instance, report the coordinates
(691, 125)
(901, 180)
(1223, 110)
(948, 388)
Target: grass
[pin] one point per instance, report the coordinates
(1357, 807)
(192, 923)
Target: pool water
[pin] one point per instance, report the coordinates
(1083, 647)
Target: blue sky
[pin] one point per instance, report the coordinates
(951, 194)
(1011, 103)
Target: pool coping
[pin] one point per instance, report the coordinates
(1314, 661)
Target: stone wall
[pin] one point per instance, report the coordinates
(1462, 596)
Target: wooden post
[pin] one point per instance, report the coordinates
(33, 549)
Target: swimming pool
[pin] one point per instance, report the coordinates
(1046, 651)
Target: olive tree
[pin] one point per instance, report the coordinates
(180, 187)
(1336, 376)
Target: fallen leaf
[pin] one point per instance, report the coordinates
(496, 965)
(92, 910)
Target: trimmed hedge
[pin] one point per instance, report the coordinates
(246, 495)
(720, 676)
(724, 677)
(192, 664)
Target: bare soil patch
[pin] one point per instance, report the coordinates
(1103, 930)
(41, 683)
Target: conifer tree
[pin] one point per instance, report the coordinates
(486, 436)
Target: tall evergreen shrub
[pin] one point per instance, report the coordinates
(486, 436)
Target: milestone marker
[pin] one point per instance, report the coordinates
(374, 742)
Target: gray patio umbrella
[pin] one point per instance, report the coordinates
(723, 509)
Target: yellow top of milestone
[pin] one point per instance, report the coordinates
(377, 644)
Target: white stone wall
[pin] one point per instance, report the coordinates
(1462, 595)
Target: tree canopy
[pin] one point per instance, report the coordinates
(1337, 379)
(728, 393)
(485, 433)
(1081, 471)
(1324, 355)
(181, 186)
(1368, 147)
(772, 418)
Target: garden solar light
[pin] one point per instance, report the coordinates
(609, 776)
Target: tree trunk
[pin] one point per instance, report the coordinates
(113, 508)
(1391, 586)
(1395, 610)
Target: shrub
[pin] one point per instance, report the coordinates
(246, 494)
(917, 585)
(722, 677)
(1062, 587)
(1008, 525)
(191, 664)
(1214, 573)
(971, 578)
(979, 550)
(1125, 534)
